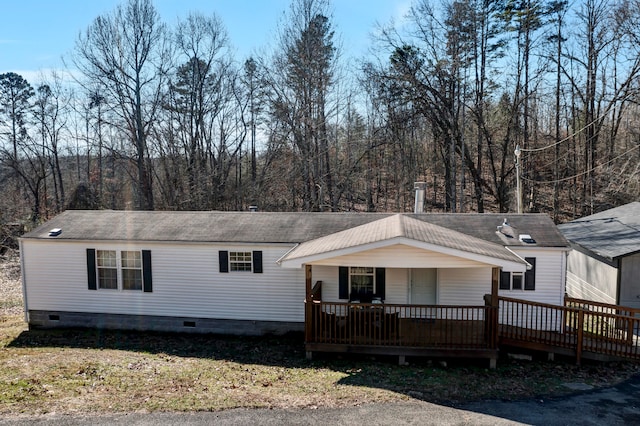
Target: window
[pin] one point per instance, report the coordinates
(240, 261)
(107, 269)
(516, 281)
(119, 270)
(519, 281)
(361, 283)
(131, 270)
(361, 280)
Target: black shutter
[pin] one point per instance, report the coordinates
(257, 262)
(223, 260)
(505, 280)
(530, 275)
(380, 282)
(147, 285)
(91, 269)
(343, 282)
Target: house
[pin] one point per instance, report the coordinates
(604, 265)
(255, 272)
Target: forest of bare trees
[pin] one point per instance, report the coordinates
(166, 118)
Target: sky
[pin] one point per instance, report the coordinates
(36, 34)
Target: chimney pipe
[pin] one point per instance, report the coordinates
(420, 187)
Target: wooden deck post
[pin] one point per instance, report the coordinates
(580, 337)
(495, 305)
(307, 305)
(495, 285)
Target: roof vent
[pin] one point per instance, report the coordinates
(55, 232)
(506, 229)
(526, 238)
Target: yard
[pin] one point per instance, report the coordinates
(90, 371)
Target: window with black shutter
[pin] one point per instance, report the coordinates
(361, 284)
(119, 270)
(519, 281)
(240, 261)
(505, 280)
(530, 275)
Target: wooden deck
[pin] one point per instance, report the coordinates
(579, 329)
(409, 330)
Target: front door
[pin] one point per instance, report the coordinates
(423, 286)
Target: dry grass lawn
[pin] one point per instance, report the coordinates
(91, 371)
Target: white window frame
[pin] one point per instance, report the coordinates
(131, 264)
(106, 260)
(121, 264)
(240, 261)
(359, 271)
(511, 276)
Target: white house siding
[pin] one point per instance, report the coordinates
(400, 256)
(186, 283)
(397, 286)
(550, 283)
(581, 289)
(630, 281)
(463, 286)
(591, 279)
(550, 277)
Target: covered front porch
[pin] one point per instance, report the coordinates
(401, 286)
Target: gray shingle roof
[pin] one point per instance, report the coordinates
(612, 233)
(401, 226)
(267, 227)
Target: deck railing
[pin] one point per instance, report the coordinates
(580, 326)
(608, 308)
(418, 326)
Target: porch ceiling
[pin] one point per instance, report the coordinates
(405, 230)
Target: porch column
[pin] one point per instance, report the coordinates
(493, 320)
(307, 304)
(495, 285)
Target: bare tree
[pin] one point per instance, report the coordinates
(300, 81)
(125, 54)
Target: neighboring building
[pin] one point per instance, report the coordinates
(249, 272)
(604, 265)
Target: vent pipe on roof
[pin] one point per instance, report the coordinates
(420, 187)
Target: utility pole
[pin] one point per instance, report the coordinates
(517, 152)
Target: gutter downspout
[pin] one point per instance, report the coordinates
(520, 257)
(279, 261)
(24, 280)
(618, 279)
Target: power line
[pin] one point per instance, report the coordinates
(572, 134)
(585, 172)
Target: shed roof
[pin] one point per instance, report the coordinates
(610, 234)
(268, 227)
